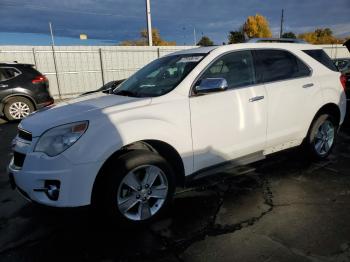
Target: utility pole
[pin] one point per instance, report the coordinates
(149, 23)
(281, 29)
(194, 35)
(184, 32)
(51, 33)
(54, 60)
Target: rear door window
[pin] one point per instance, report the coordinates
(322, 57)
(8, 73)
(277, 65)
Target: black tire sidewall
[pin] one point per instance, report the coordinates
(106, 193)
(14, 100)
(312, 134)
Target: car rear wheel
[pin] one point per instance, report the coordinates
(17, 108)
(136, 188)
(322, 136)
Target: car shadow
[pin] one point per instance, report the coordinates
(76, 233)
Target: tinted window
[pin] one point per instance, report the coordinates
(342, 64)
(275, 65)
(8, 73)
(237, 68)
(321, 57)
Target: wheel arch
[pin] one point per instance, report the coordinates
(329, 108)
(164, 149)
(7, 98)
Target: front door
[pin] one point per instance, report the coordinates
(229, 124)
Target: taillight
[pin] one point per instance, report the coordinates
(343, 81)
(39, 79)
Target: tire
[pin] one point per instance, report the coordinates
(17, 108)
(124, 194)
(321, 137)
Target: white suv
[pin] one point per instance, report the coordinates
(181, 117)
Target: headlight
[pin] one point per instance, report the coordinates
(55, 140)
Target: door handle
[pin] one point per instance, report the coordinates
(308, 85)
(3, 85)
(257, 98)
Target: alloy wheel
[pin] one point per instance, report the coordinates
(19, 110)
(324, 138)
(142, 192)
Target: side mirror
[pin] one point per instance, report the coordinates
(108, 90)
(210, 85)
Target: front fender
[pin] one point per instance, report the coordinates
(103, 138)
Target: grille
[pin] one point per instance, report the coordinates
(18, 159)
(25, 135)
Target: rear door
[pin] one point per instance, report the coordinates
(289, 86)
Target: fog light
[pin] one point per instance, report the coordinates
(51, 189)
(53, 192)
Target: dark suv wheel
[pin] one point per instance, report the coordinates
(17, 108)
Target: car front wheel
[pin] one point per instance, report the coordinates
(136, 188)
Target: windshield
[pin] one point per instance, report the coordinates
(160, 76)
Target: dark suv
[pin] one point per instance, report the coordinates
(22, 90)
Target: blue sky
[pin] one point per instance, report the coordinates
(112, 21)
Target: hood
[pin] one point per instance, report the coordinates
(78, 109)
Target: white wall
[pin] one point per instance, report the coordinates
(336, 51)
(79, 67)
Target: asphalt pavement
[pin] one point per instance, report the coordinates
(287, 209)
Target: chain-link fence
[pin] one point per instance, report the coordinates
(73, 70)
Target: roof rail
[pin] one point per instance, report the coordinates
(276, 40)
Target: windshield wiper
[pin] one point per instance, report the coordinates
(125, 93)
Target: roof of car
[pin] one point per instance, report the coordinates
(208, 49)
(198, 50)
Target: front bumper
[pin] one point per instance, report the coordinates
(76, 180)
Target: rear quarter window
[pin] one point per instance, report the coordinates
(322, 57)
(8, 73)
(277, 65)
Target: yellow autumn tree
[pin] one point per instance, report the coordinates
(320, 36)
(257, 26)
(157, 40)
